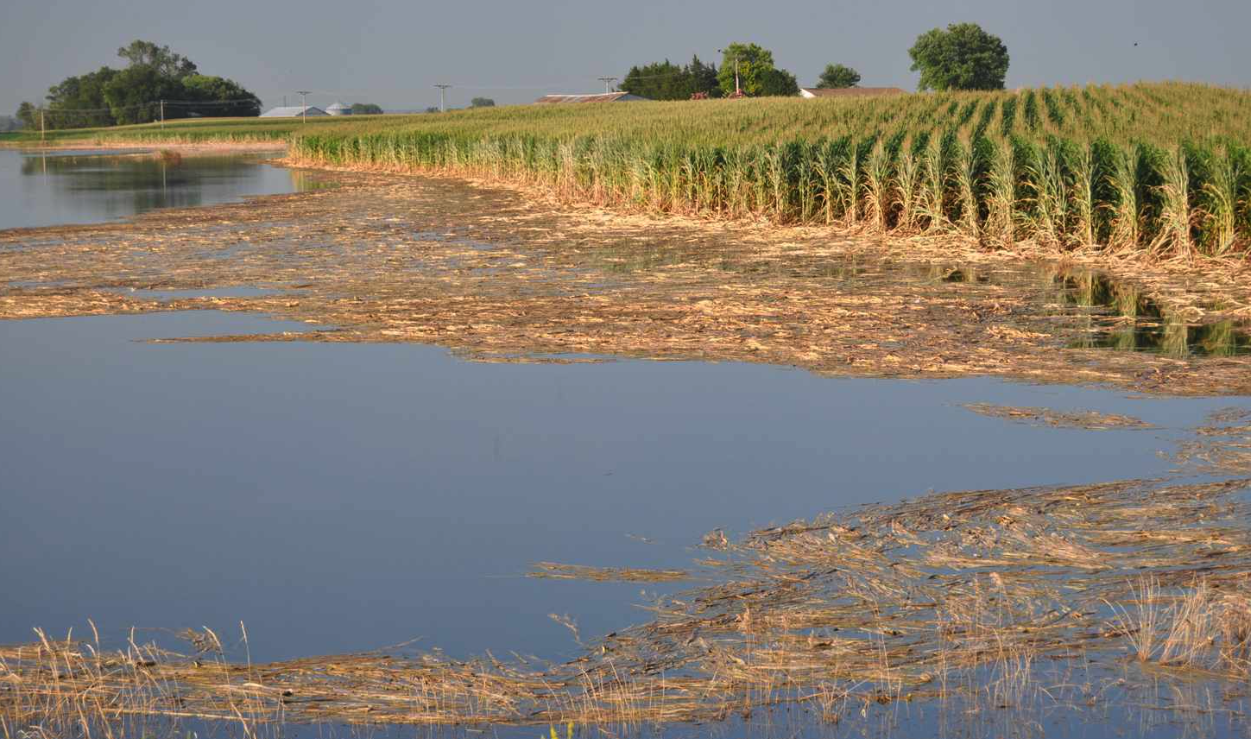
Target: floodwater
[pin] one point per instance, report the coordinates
(345, 497)
(46, 188)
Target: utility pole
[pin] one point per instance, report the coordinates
(304, 104)
(737, 89)
(43, 129)
(607, 83)
(442, 99)
(162, 115)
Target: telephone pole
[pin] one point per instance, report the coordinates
(304, 104)
(43, 129)
(162, 115)
(607, 83)
(442, 98)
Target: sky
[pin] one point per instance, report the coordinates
(392, 53)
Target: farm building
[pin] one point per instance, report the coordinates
(339, 109)
(848, 92)
(292, 111)
(603, 97)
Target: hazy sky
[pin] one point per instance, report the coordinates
(391, 53)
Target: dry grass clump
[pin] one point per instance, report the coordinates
(1090, 420)
(1222, 447)
(556, 571)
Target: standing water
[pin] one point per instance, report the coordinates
(48, 188)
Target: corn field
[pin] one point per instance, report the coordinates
(1158, 168)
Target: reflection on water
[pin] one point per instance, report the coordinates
(53, 188)
(1119, 316)
(1124, 319)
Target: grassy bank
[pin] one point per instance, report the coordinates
(193, 132)
(1163, 169)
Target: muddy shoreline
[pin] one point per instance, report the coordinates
(499, 273)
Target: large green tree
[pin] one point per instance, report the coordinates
(79, 102)
(366, 109)
(134, 94)
(668, 81)
(838, 76)
(208, 96)
(166, 63)
(756, 71)
(963, 57)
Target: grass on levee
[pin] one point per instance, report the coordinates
(190, 131)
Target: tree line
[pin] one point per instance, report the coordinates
(960, 57)
(133, 94)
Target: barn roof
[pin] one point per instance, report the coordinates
(850, 92)
(291, 111)
(603, 97)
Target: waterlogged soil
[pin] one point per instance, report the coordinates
(500, 275)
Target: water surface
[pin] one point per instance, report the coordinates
(344, 497)
(48, 188)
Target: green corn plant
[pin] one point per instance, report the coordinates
(1001, 197)
(1085, 183)
(908, 190)
(848, 185)
(877, 188)
(965, 169)
(931, 203)
(1176, 217)
(1222, 196)
(1126, 182)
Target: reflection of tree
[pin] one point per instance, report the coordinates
(121, 185)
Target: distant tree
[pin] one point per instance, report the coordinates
(432, 109)
(658, 81)
(838, 76)
(780, 83)
(79, 102)
(366, 109)
(668, 81)
(963, 57)
(207, 96)
(9, 123)
(28, 116)
(133, 94)
(756, 71)
(165, 62)
(703, 77)
(482, 103)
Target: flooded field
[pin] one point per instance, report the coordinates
(403, 409)
(55, 187)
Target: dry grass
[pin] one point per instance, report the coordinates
(555, 571)
(1222, 447)
(1089, 420)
